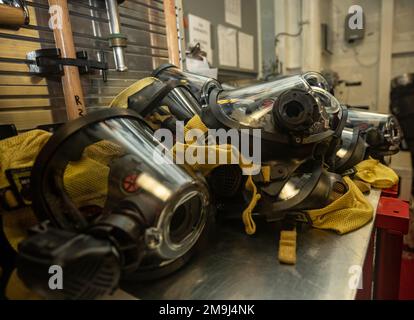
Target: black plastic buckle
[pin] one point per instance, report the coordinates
(49, 62)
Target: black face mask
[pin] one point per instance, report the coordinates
(110, 194)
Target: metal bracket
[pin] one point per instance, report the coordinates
(49, 62)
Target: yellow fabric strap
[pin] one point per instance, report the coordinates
(17, 290)
(347, 213)
(376, 174)
(195, 123)
(266, 173)
(249, 225)
(121, 100)
(287, 246)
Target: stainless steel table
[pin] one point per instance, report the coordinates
(237, 266)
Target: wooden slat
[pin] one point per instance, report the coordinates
(25, 103)
(22, 80)
(23, 122)
(13, 67)
(24, 90)
(17, 49)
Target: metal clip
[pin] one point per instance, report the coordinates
(49, 62)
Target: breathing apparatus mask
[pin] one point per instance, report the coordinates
(299, 124)
(111, 206)
(381, 132)
(367, 134)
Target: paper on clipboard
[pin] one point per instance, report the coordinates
(246, 52)
(227, 46)
(199, 32)
(232, 12)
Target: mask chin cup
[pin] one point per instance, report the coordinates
(301, 192)
(153, 214)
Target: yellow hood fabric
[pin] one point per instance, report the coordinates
(20, 151)
(86, 180)
(376, 174)
(347, 213)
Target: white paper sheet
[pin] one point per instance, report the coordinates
(246, 52)
(232, 12)
(227, 46)
(201, 67)
(199, 31)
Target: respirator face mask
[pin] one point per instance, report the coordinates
(282, 107)
(292, 115)
(367, 134)
(300, 126)
(106, 188)
(381, 132)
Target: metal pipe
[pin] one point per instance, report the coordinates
(14, 14)
(72, 88)
(117, 41)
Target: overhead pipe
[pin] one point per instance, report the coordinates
(71, 83)
(117, 41)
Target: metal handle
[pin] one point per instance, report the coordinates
(117, 40)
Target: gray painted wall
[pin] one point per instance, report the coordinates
(213, 10)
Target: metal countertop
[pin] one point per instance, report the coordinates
(238, 266)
